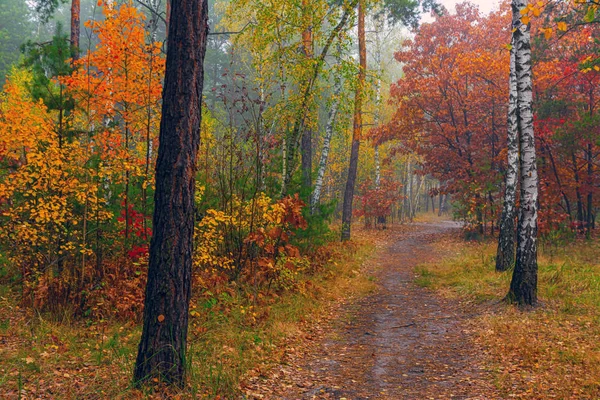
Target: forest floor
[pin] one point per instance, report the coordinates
(402, 342)
(410, 312)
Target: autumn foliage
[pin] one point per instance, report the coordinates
(76, 190)
(451, 109)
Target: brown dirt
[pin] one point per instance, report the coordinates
(403, 342)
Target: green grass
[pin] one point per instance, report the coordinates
(552, 351)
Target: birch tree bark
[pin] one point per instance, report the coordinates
(316, 197)
(505, 256)
(523, 287)
(294, 136)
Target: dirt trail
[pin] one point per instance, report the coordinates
(403, 342)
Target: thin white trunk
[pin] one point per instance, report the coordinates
(523, 287)
(377, 56)
(316, 197)
(506, 239)
(284, 166)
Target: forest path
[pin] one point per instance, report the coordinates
(402, 342)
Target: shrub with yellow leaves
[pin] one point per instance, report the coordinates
(251, 243)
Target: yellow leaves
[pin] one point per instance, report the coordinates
(562, 26)
(547, 32)
(532, 9)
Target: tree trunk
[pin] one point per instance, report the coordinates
(357, 128)
(326, 145)
(580, 217)
(75, 29)
(523, 287)
(505, 256)
(307, 159)
(590, 198)
(307, 134)
(162, 349)
(294, 137)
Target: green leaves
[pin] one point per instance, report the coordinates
(590, 15)
(408, 12)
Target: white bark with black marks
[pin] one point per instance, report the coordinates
(523, 287)
(316, 197)
(505, 257)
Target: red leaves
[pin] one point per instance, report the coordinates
(377, 202)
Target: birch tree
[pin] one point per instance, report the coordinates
(506, 239)
(523, 287)
(316, 197)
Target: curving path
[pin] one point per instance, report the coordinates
(403, 342)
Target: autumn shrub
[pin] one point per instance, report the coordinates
(76, 181)
(41, 191)
(376, 201)
(263, 256)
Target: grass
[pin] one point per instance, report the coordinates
(552, 351)
(231, 336)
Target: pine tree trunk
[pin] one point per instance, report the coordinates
(357, 127)
(75, 29)
(506, 238)
(162, 349)
(523, 287)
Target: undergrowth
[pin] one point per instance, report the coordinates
(235, 329)
(552, 351)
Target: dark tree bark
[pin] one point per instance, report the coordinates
(162, 349)
(75, 29)
(307, 134)
(523, 287)
(357, 128)
(307, 159)
(590, 198)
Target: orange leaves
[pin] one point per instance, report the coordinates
(121, 79)
(450, 103)
(63, 174)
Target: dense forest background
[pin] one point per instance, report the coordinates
(297, 99)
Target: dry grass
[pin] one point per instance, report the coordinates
(552, 351)
(230, 337)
